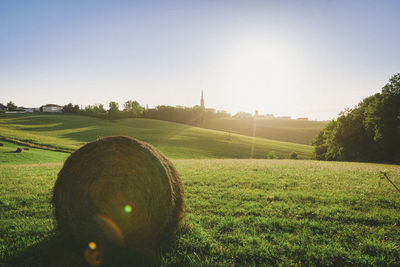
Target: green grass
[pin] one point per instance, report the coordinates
(33, 155)
(177, 141)
(26, 215)
(242, 212)
(295, 131)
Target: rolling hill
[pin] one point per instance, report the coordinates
(295, 131)
(69, 132)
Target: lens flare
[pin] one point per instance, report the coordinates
(110, 229)
(128, 208)
(93, 257)
(92, 245)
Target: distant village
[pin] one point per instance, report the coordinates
(54, 108)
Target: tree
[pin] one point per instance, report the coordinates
(70, 108)
(95, 109)
(11, 106)
(369, 132)
(133, 108)
(222, 114)
(113, 110)
(98, 108)
(113, 106)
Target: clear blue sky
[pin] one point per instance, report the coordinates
(296, 58)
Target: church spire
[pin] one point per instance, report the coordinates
(202, 100)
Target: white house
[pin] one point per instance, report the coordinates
(51, 108)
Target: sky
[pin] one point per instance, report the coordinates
(288, 58)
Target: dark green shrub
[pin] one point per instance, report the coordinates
(293, 155)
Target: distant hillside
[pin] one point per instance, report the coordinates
(69, 132)
(295, 131)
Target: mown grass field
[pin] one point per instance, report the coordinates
(175, 140)
(33, 155)
(243, 212)
(239, 212)
(295, 131)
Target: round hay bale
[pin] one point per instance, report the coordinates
(18, 150)
(118, 191)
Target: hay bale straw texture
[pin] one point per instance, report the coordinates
(118, 190)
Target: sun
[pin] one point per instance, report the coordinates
(258, 68)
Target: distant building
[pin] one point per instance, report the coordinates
(303, 119)
(23, 110)
(51, 108)
(20, 109)
(29, 109)
(202, 100)
(243, 115)
(284, 117)
(266, 116)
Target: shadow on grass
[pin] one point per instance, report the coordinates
(151, 131)
(59, 251)
(50, 252)
(44, 123)
(86, 129)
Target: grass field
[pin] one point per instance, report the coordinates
(33, 155)
(239, 212)
(295, 131)
(69, 132)
(242, 212)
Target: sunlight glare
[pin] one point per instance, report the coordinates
(257, 70)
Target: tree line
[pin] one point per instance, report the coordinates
(195, 115)
(132, 109)
(369, 132)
